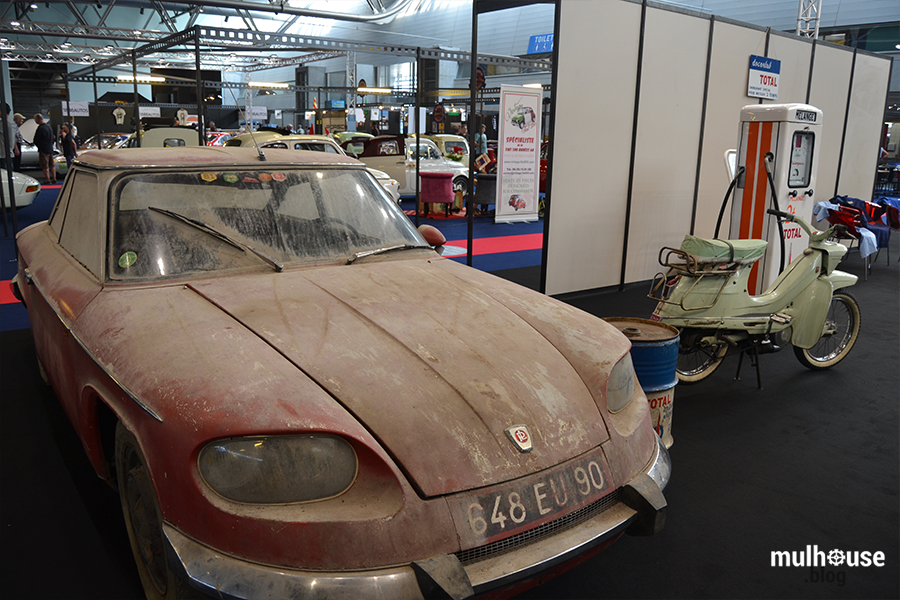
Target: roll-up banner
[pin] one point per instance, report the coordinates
(520, 153)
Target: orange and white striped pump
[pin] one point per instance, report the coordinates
(782, 140)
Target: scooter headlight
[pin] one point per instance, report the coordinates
(620, 387)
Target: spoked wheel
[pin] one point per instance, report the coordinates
(144, 522)
(839, 334)
(697, 362)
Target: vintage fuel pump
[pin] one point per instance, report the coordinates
(777, 147)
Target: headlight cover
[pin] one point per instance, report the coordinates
(279, 469)
(620, 387)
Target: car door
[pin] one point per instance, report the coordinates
(61, 264)
(388, 158)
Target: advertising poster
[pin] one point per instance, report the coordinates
(519, 145)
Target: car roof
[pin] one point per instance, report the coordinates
(303, 137)
(211, 156)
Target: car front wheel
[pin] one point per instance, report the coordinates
(461, 184)
(143, 521)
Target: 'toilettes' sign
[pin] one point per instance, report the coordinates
(763, 80)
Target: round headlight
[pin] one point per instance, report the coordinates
(620, 388)
(279, 469)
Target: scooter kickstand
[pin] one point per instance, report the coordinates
(753, 351)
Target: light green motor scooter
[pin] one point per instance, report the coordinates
(704, 294)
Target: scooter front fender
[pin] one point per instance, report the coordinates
(816, 300)
(841, 279)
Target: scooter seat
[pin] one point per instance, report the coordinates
(742, 252)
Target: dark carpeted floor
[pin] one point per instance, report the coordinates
(811, 459)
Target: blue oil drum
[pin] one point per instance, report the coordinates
(654, 353)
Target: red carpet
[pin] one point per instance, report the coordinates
(506, 243)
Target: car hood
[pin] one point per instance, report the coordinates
(437, 361)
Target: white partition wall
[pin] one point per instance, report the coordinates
(592, 140)
(867, 99)
(726, 96)
(833, 63)
(672, 77)
(612, 208)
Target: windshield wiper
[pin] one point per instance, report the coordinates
(202, 226)
(365, 253)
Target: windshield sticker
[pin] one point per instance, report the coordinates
(230, 178)
(250, 180)
(278, 176)
(265, 177)
(208, 176)
(127, 259)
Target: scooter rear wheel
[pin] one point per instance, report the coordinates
(839, 334)
(696, 362)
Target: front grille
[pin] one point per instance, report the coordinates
(573, 519)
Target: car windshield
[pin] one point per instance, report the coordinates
(174, 224)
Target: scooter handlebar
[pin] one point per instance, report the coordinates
(783, 215)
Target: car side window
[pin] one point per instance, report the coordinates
(82, 226)
(172, 142)
(277, 145)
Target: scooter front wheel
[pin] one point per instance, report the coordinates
(696, 362)
(839, 334)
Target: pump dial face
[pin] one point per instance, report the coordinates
(801, 159)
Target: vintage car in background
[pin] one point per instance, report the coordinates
(218, 138)
(324, 143)
(24, 187)
(345, 136)
(396, 156)
(259, 136)
(454, 147)
(164, 137)
(107, 141)
(298, 397)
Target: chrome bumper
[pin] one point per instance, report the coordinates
(642, 512)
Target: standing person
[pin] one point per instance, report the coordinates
(9, 146)
(43, 139)
(67, 143)
(464, 131)
(17, 161)
(374, 129)
(481, 141)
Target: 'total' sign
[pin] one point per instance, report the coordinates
(763, 80)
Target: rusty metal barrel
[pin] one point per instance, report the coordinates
(654, 353)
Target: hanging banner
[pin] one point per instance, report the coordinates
(75, 109)
(519, 146)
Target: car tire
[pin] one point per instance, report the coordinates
(143, 520)
(461, 184)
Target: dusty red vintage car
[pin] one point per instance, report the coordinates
(298, 397)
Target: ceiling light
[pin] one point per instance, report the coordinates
(15, 23)
(373, 90)
(141, 78)
(266, 84)
(33, 7)
(534, 85)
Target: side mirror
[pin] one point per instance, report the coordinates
(432, 235)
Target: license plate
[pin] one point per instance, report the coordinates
(506, 509)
